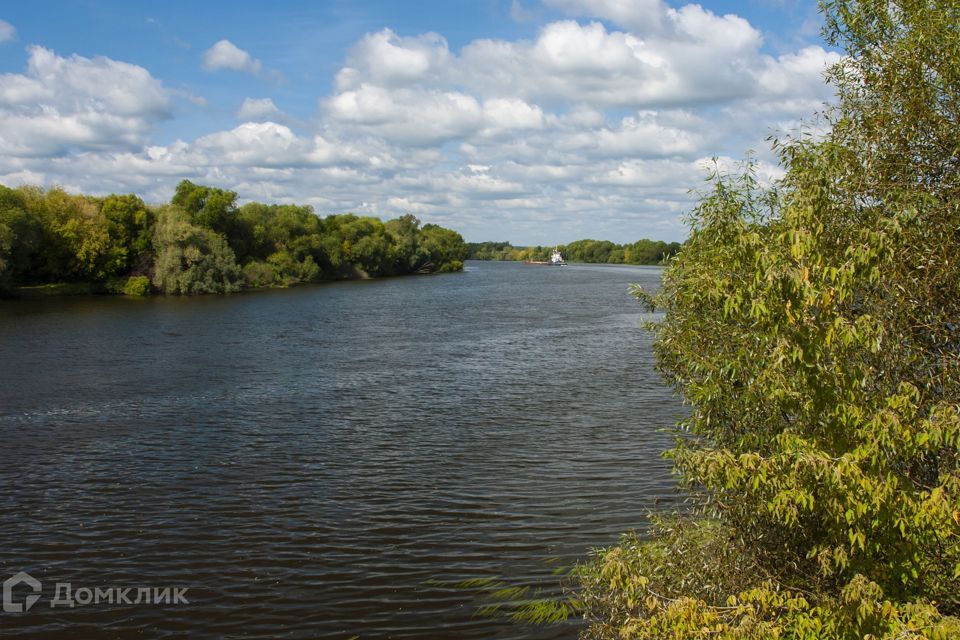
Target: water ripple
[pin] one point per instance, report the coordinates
(325, 461)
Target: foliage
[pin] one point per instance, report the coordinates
(137, 286)
(19, 236)
(406, 254)
(812, 327)
(129, 225)
(207, 206)
(289, 270)
(259, 274)
(204, 243)
(54, 236)
(364, 243)
(6, 244)
(192, 259)
(696, 579)
(80, 225)
(500, 251)
(444, 248)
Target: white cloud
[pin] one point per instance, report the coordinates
(797, 74)
(408, 116)
(518, 13)
(7, 31)
(387, 60)
(263, 144)
(647, 134)
(702, 58)
(642, 16)
(195, 100)
(506, 115)
(77, 102)
(259, 109)
(572, 62)
(644, 173)
(723, 33)
(226, 55)
(570, 48)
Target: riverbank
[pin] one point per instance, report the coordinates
(201, 242)
(142, 288)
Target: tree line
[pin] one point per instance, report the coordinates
(202, 241)
(592, 251)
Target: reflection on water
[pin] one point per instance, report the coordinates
(320, 461)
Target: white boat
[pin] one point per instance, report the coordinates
(556, 260)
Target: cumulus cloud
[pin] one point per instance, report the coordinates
(259, 109)
(641, 16)
(261, 144)
(701, 58)
(797, 74)
(7, 31)
(226, 55)
(388, 60)
(508, 115)
(76, 102)
(408, 116)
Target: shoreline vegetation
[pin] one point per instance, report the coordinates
(641, 252)
(812, 327)
(56, 243)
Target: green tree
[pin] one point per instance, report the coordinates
(813, 330)
(7, 240)
(192, 259)
(405, 253)
(82, 238)
(445, 248)
(200, 241)
(20, 237)
(129, 226)
(291, 269)
(207, 206)
(214, 209)
(46, 255)
(492, 251)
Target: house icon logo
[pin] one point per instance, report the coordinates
(9, 606)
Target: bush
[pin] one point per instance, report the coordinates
(812, 327)
(137, 286)
(451, 266)
(290, 271)
(192, 259)
(259, 274)
(695, 578)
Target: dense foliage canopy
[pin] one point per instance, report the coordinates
(203, 242)
(814, 328)
(593, 251)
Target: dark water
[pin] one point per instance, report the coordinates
(310, 462)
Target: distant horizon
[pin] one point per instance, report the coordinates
(560, 244)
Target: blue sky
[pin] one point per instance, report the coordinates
(535, 121)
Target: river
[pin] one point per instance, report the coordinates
(325, 461)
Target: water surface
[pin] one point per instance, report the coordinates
(321, 461)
